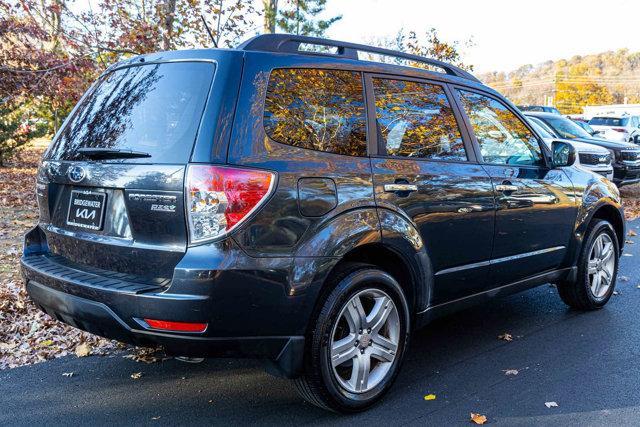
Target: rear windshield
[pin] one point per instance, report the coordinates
(153, 108)
(609, 121)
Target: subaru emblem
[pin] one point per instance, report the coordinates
(76, 173)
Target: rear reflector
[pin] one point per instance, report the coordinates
(165, 325)
(219, 198)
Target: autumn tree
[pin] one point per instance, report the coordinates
(430, 45)
(301, 17)
(576, 89)
(39, 71)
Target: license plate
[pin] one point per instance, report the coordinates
(86, 209)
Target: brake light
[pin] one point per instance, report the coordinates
(176, 326)
(219, 198)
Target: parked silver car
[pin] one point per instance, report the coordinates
(620, 128)
(592, 157)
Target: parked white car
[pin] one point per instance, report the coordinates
(620, 128)
(591, 157)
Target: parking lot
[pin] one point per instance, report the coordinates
(584, 362)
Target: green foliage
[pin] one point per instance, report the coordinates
(17, 126)
(301, 17)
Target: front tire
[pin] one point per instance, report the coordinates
(357, 341)
(597, 269)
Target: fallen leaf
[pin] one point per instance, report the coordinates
(478, 418)
(430, 397)
(83, 350)
(551, 404)
(632, 233)
(505, 337)
(67, 374)
(46, 343)
(136, 375)
(511, 372)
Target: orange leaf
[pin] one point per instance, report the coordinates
(478, 419)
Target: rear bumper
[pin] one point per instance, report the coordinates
(97, 318)
(248, 315)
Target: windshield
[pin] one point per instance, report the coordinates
(153, 108)
(609, 121)
(566, 128)
(540, 130)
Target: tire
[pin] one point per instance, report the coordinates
(583, 294)
(337, 388)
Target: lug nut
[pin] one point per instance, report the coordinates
(357, 342)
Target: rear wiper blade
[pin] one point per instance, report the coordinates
(111, 153)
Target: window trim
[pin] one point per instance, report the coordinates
(378, 148)
(364, 98)
(546, 155)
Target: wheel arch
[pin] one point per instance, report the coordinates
(393, 245)
(612, 215)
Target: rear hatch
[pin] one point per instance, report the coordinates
(610, 127)
(111, 187)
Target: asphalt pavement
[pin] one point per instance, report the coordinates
(587, 363)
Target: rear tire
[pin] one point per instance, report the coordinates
(347, 370)
(597, 269)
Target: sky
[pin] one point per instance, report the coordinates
(505, 34)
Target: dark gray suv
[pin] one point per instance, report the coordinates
(289, 201)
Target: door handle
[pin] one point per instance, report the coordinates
(394, 188)
(507, 188)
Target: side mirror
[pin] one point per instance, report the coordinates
(563, 154)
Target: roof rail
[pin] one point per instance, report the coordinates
(289, 43)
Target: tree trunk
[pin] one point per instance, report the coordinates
(270, 15)
(167, 23)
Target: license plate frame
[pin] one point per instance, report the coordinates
(85, 213)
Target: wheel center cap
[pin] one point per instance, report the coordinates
(365, 339)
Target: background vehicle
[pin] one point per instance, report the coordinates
(584, 125)
(592, 157)
(540, 108)
(622, 128)
(626, 156)
(308, 209)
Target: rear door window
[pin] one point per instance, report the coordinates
(317, 109)
(152, 108)
(415, 119)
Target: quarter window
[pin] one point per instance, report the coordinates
(502, 136)
(416, 120)
(317, 109)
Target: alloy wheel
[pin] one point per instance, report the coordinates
(601, 265)
(364, 340)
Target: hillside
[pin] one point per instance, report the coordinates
(602, 78)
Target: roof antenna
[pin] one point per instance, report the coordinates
(204, 21)
(206, 26)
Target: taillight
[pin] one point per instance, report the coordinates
(621, 130)
(219, 198)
